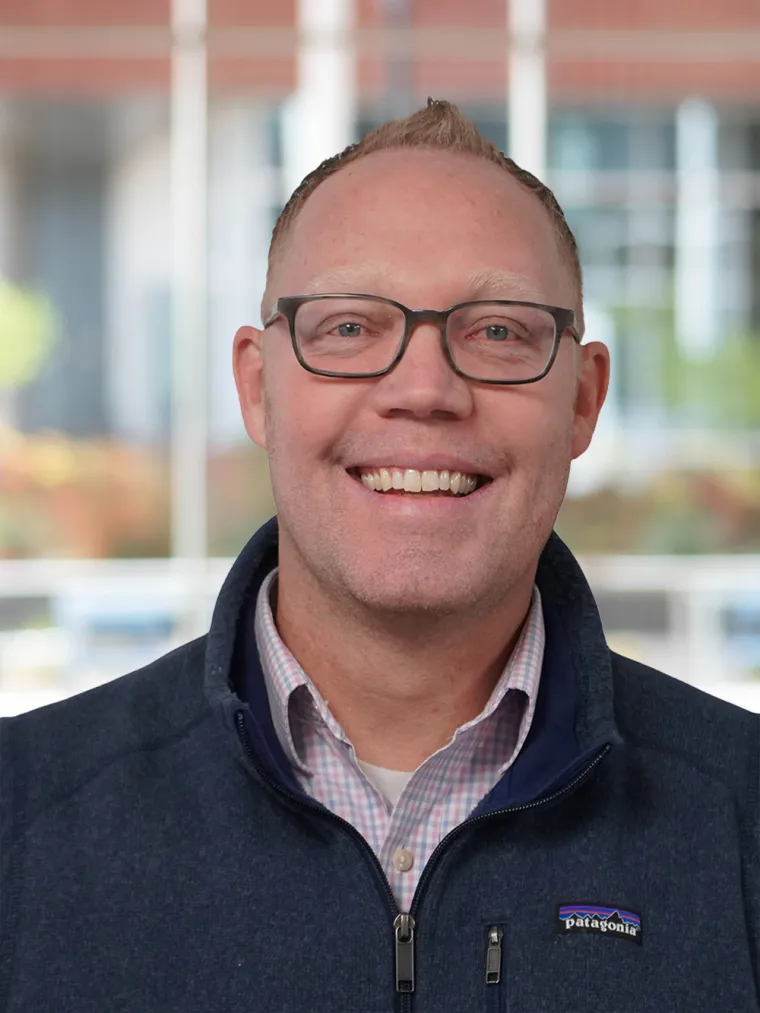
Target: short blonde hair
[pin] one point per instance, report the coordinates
(440, 125)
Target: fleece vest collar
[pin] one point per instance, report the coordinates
(574, 719)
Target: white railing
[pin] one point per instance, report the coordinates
(68, 625)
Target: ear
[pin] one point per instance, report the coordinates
(248, 367)
(593, 380)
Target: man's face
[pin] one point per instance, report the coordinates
(428, 229)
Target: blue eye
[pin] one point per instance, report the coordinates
(497, 332)
(349, 330)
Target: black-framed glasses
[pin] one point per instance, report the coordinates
(356, 336)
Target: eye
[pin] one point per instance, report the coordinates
(497, 332)
(349, 329)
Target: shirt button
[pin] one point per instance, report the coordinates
(403, 859)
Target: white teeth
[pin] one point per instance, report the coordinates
(413, 481)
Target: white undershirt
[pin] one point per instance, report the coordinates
(390, 783)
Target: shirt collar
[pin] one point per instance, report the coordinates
(284, 677)
(282, 673)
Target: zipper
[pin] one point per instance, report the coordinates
(493, 955)
(494, 986)
(404, 923)
(403, 927)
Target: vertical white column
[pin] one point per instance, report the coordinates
(319, 118)
(7, 236)
(697, 227)
(137, 266)
(189, 105)
(526, 105)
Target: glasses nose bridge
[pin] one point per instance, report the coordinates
(437, 318)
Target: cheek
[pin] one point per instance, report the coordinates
(536, 423)
(290, 441)
(305, 417)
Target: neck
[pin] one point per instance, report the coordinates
(399, 688)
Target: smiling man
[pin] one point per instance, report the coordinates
(403, 771)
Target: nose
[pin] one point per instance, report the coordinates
(423, 384)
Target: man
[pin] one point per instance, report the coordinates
(403, 771)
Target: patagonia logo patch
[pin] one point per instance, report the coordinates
(607, 921)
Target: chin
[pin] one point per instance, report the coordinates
(414, 596)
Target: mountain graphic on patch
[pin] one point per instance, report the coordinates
(600, 919)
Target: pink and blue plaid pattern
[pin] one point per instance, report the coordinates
(442, 792)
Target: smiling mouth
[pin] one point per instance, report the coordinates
(410, 481)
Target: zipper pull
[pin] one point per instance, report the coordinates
(493, 956)
(403, 928)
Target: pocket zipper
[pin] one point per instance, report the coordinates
(493, 955)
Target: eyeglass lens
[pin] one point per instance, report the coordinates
(487, 341)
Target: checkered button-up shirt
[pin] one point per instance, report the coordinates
(441, 793)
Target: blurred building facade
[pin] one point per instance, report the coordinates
(645, 118)
(653, 147)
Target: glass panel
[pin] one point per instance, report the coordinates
(662, 189)
(84, 357)
(85, 295)
(245, 197)
(665, 216)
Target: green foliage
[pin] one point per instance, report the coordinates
(27, 333)
(717, 390)
(675, 513)
(726, 383)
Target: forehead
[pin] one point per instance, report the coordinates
(423, 224)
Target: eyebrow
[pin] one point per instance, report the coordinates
(486, 281)
(501, 284)
(347, 279)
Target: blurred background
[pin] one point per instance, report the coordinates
(145, 152)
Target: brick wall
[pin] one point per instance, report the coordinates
(600, 50)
